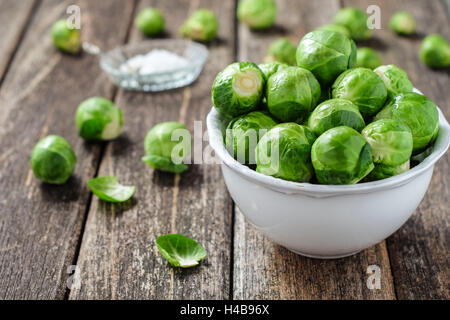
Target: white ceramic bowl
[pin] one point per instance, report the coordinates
(324, 221)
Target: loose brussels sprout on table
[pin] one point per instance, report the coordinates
(341, 156)
(238, 89)
(282, 50)
(403, 23)
(150, 21)
(244, 132)
(167, 144)
(416, 111)
(392, 143)
(201, 26)
(65, 38)
(99, 119)
(335, 113)
(285, 152)
(326, 54)
(257, 14)
(363, 87)
(435, 51)
(53, 160)
(355, 20)
(367, 58)
(292, 93)
(336, 28)
(395, 79)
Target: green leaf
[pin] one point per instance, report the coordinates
(109, 189)
(180, 250)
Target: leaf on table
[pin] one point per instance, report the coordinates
(109, 189)
(180, 250)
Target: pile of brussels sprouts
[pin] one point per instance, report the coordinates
(324, 120)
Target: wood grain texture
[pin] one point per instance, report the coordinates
(419, 250)
(264, 270)
(14, 16)
(447, 7)
(118, 257)
(39, 223)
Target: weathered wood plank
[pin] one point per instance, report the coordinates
(40, 224)
(118, 257)
(14, 16)
(419, 250)
(264, 270)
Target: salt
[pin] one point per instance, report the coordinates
(157, 60)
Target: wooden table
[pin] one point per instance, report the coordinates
(45, 229)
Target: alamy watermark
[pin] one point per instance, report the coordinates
(374, 280)
(374, 19)
(240, 144)
(74, 19)
(74, 279)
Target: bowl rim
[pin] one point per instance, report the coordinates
(214, 120)
(198, 62)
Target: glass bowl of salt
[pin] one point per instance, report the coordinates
(155, 65)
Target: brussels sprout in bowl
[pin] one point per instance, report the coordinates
(326, 221)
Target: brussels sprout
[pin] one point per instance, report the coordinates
(336, 28)
(167, 144)
(284, 152)
(326, 54)
(98, 119)
(363, 87)
(201, 26)
(292, 93)
(325, 94)
(238, 89)
(416, 111)
(395, 79)
(391, 142)
(244, 132)
(53, 160)
(65, 38)
(418, 158)
(257, 14)
(341, 156)
(383, 172)
(150, 21)
(435, 51)
(367, 58)
(403, 23)
(282, 50)
(355, 20)
(335, 113)
(269, 68)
